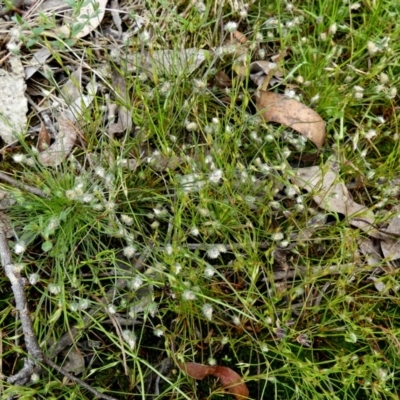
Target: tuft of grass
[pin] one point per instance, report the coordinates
(176, 257)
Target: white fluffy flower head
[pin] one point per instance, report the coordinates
(231, 26)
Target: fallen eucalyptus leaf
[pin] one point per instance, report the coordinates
(72, 89)
(161, 62)
(54, 6)
(391, 247)
(222, 80)
(59, 150)
(230, 380)
(196, 370)
(332, 195)
(124, 114)
(293, 114)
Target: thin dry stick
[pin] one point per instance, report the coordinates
(17, 285)
(20, 185)
(32, 364)
(77, 380)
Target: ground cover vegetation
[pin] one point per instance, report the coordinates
(181, 235)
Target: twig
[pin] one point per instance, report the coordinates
(77, 380)
(21, 304)
(36, 356)
(20, 185)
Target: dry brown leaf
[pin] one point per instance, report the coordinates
(265, 67)
(196, 370)
(371, 251)
(78, 105)
(391, 247)
(293, 114)
(54, 6)
(64, 143)
(43, 142)
(332, 195)
(230, 380)
(222, 80)
(75, 363)
(379, 285)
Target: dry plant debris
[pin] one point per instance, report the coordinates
(89, 18)
(332, 195)
(152, 155)
(56, 153)
(229, 379)
(276, 107)
(13, 103)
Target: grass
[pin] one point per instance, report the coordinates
(185, 245)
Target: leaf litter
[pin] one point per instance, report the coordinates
(323, 182)
(278, 108)
(57, 152)
(230, 380)
(13, 103)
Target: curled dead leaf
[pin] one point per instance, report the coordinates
(230, 380)
(293, 114)
(222, 80)
(331, 194)
(64, 143)
(265, 70)
(391, 247)
(196, 370)
(43, 141)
